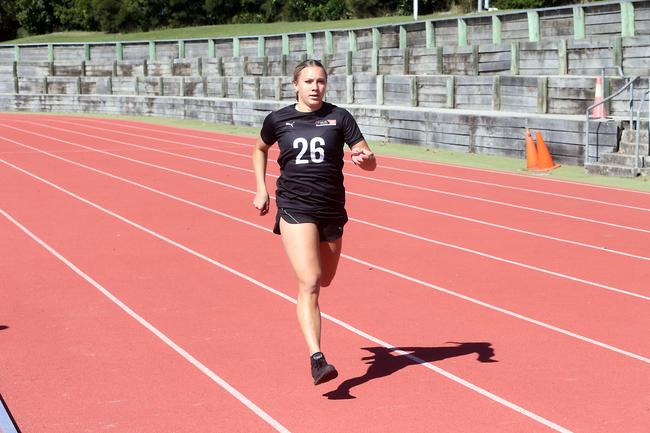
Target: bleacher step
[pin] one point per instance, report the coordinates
(614, 170)
(627, 144)
(622, 159)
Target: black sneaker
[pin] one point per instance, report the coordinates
(321, 371)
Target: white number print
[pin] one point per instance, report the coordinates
(316, 150)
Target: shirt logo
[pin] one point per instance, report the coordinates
(330, 122)
(290, 124)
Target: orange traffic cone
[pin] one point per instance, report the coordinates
(599, 110)
(544, 160)
(531, 152)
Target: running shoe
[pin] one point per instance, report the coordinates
(321, 371)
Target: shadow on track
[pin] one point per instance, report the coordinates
(383, 363)
(3, 327)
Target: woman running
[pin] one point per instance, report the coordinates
(310, 195)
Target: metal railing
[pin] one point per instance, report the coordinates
(637, 138)
(629, 85)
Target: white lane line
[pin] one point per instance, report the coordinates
(389, 182)
(347, 174)
(503, 260)
(354, 259)
(249, 145)
(518, 188)
(347, 326)
(381, 227)
(168, 341)
(6, 423)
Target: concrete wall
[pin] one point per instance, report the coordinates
(460, 130)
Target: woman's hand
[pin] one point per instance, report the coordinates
(364, 158)
(261, 202)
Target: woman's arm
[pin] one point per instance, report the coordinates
(260, 158)
(363, 156)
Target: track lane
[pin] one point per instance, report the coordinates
(72, 361)
(504, 251)
(355, 305)
(510, 198)
(190, 317)
(542, 293)
(545, 224)
(536, 184)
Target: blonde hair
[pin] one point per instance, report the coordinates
(307, 64)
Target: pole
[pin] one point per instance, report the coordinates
(415, 9)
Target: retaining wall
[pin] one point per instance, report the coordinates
(460, 130)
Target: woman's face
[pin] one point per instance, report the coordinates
(311, 88)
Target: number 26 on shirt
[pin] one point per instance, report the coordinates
(316, 150)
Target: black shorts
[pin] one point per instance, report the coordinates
(329, 229)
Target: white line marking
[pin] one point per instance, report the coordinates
(369, 178)
(381, 227)
(186, 355)
(168, 341)
(354, 259)
(500, 259)
(6, 425)
(347, 174)
(383, 156)
(220, 140)
(518, 188)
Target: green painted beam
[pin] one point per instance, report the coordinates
(261, 46)
(86, 52)
(352, 40)
(152, 51)
(181, 49)
(430, 34)
(627, 19)
(119, 51)
(285, 44)
(17, 53)
(496, 30)
(211, 50)
(376, 38)
(329, 42)
(462, 32)
(380, 90)
(533, 26)
(236, 49)
(50, 52)
(402, 38)
(578, 22)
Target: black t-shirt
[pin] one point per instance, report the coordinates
(311, 157)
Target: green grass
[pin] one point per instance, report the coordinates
(499, 163)
(216, 31)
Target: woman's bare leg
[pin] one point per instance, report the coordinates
(302, 246)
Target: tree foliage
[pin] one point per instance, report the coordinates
(43, 16)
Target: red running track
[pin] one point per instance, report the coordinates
(141, 292)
